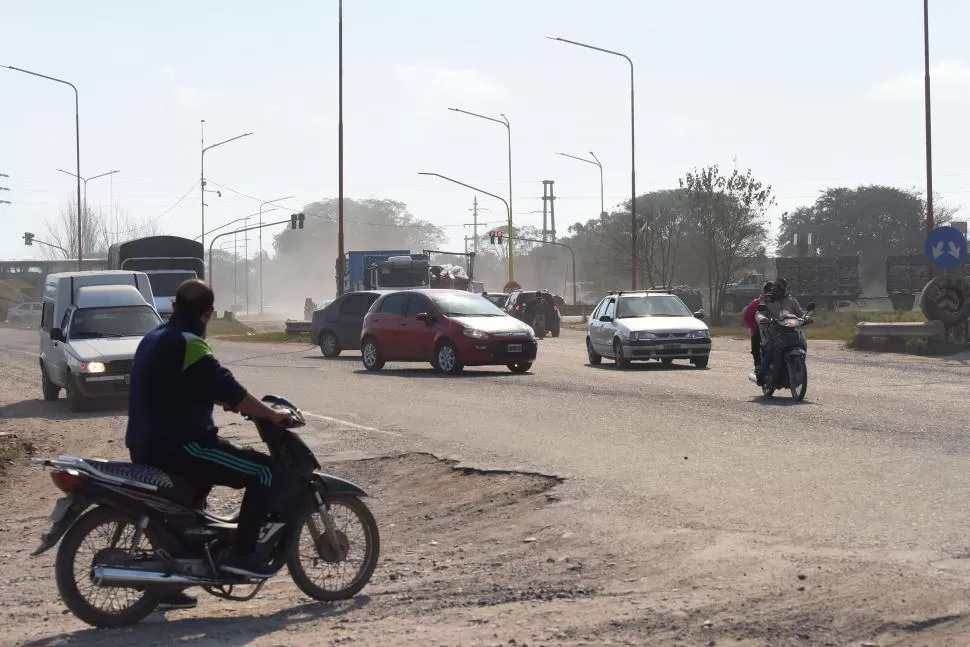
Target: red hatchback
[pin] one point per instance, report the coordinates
(449, 328)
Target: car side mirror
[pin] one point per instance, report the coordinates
(57, 334)
(811, 306)
(606, 318)
(424, 317)
(699, 314)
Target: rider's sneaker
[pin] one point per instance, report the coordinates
(177, 600)
(248, 565)
(753, 377)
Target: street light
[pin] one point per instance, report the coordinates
(508, 128)
(261, 249)
(77, 141)
(633, 157)
(86, 180)
(926, 110)
(596, 163)
(508, 208)
(202, 170)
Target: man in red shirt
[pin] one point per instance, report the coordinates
(752, 324)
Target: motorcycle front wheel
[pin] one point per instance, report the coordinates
(318, 563)
(797, 378)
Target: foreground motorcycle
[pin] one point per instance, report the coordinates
(539, 326)
(788, 370)
(132, 534)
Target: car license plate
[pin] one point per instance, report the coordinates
(671, 347)
(60, 509)
(127, 380)
(514, 348)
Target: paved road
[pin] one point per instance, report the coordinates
(876, 457)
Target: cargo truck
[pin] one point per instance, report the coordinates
(167, 260)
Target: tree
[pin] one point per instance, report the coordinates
(875, 220)
(305, 262)
(666, 221)
(98, 229)
(729, 215)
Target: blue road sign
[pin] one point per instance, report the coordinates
(946, 247)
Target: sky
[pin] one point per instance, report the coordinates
(807, 95)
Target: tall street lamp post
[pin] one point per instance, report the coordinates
(289, 197)
(508, 208)
(202, 169)
(508, 130)
(633, 157)
(77, 142)
(595, 163)
(85, 209)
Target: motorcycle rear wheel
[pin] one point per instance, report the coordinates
(66, 573)
(372, 548)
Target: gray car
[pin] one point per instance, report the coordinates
(336, 327)
(646, 325)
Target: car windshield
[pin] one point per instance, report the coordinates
(654, 305)
(164, 284)
(460, 305)
(98, 323)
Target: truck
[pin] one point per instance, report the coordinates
(399, 269)
(827, 280)
(907, 274)
(167, 260)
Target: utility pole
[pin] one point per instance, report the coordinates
(475, 225)
(927, 118)
(548, 210)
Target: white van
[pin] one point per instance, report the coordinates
(91, 324)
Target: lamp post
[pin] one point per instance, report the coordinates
(595, 163)
(508, 208)
(340, 149)
(508, 129)
(202, 169)
(633, 156)
(85, 210)
(261, 246)
(77, 141)
(926, 109)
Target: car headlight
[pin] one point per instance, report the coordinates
(699, 334)
(634, 336)
(85, 367)
(475, 334)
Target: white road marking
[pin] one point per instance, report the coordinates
(22, 352)
(352, 425)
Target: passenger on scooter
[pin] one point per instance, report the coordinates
(175, 382)
(778, 300)
(753, 327)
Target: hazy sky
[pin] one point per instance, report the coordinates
(806, 94)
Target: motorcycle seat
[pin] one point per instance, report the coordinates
(135, 472)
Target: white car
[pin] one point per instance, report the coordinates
(645, 325)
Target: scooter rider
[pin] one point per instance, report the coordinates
(753, 327)
(777, 301)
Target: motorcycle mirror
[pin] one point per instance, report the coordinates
(811, 306)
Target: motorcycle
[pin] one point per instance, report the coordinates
(539, 325)
(788, 369)
(157, 538)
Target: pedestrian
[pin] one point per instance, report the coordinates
(752, 324)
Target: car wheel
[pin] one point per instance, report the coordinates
(446, 358)
(594, 357)
(51, 391)
(701, 362)
(329, 345)
(75, 401)
(619, 361)
(521, 367)
(370, 355)
(667, 361)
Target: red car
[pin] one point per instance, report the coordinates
(449, 328)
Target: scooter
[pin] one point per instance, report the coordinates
(788, 369)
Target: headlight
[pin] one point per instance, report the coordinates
(634, 336)
(85, 367)
(699, 334)
(475, 334)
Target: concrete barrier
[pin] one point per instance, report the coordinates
(297, 327)
(931, 329)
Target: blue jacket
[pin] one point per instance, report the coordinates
(175, 381)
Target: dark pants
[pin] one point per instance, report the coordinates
(222, 463)
(767, 357)
(756, 349)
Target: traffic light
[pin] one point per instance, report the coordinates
(491, 237)
(28, 238)
(296, 218)
(500, 235)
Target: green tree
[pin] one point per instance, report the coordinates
(728, 213)
(875, 220)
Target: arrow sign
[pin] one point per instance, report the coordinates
(946, 247)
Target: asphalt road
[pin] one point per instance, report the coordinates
(876, 457)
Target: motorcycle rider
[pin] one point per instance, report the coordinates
(777, 301)
(175, 382)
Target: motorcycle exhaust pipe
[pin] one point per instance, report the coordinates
(130, 577)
